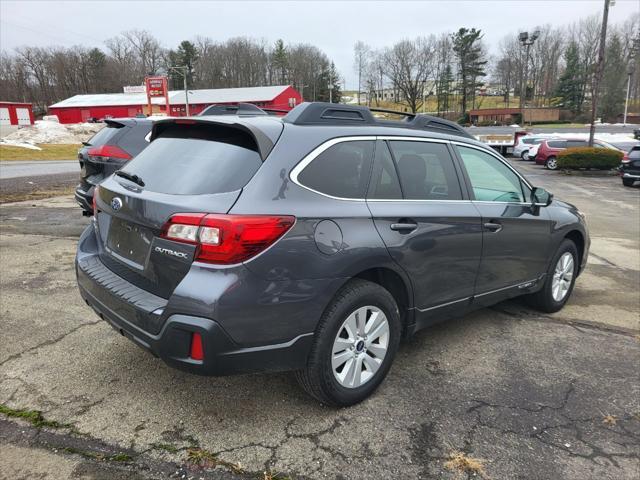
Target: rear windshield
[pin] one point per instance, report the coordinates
(205, 163)
(104, 136)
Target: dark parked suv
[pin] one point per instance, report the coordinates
(107, 151)
(315, 242)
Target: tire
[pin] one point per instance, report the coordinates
(544, 299)
(318, 378)
(551, 163)
(524, 155)
(628, 182)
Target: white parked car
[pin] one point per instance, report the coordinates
(523, 147)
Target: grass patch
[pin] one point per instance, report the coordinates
(167, 447)
(204, 459)
(49, 151)
(34, 417)
(460, 462)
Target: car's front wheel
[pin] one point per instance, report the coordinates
(355, 343)
(551, 163)
(628, 182)
(559, 280)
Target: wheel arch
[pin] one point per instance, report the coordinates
(399, 288)
(577, 238)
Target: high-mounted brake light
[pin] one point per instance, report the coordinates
(226, 239)
(106, 153)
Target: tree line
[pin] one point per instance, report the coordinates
(453, 67)
(44, 76)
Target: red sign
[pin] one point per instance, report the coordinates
(157, 87)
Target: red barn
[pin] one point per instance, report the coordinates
(15, 113)
(81, 108)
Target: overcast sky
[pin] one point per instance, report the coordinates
(333, 26)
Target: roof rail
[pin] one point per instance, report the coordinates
(239, 109)
(320, 113)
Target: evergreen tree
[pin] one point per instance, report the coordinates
(280, 62)
(471, 61)
(613, 81)
(569, 93)
(443, 88)
(185, 55)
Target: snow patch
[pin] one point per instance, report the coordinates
(47, 131)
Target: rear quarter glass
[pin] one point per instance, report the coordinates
(134, 139)
(106, 135)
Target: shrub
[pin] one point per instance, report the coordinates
(585, 157)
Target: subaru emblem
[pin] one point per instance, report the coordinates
(116, 203)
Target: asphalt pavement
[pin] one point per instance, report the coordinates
(16, 169)
(524, 394)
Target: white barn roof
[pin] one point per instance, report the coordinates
(176, 97)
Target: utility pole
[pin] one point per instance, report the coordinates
(599, 70)
(184, 71)
(423, 97)
(526, 41)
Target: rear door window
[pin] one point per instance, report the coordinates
(557, 144)
(341, 171)
(576, 143)
(426, 171)
(197, 160)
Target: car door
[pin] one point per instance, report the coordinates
(516, 234)
(430, 229)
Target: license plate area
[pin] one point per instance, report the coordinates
(129, 242)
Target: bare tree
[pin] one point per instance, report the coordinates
(408, 65)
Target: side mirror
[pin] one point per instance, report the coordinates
(540, 197)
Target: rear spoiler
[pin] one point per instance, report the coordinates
(265, 133)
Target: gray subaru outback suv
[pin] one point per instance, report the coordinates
(316, 242)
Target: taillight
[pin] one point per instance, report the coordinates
(107, 153)
(226, 239)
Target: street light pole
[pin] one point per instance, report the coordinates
(423, 97)
(626, 100)
(526, 41)
(184, 69)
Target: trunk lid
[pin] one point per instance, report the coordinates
(187, 168)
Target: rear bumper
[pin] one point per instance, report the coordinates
(84, 198)
(165, 327)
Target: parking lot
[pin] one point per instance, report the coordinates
(514, 393)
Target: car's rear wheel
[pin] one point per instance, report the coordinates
(524, 155)
(559, 281)
(551, 163)
(628, 182)
(355, 343)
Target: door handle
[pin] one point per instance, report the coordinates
(403, 227)
(493, 227)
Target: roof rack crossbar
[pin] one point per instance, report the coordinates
(320, 113)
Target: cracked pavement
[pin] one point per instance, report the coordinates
(527, 394)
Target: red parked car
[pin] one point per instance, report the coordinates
(549, 149)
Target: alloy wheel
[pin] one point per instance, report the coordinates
(360, 346)
(562, 276)
(552, 163)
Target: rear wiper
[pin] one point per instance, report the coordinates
(86, 144)
(131, 177)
